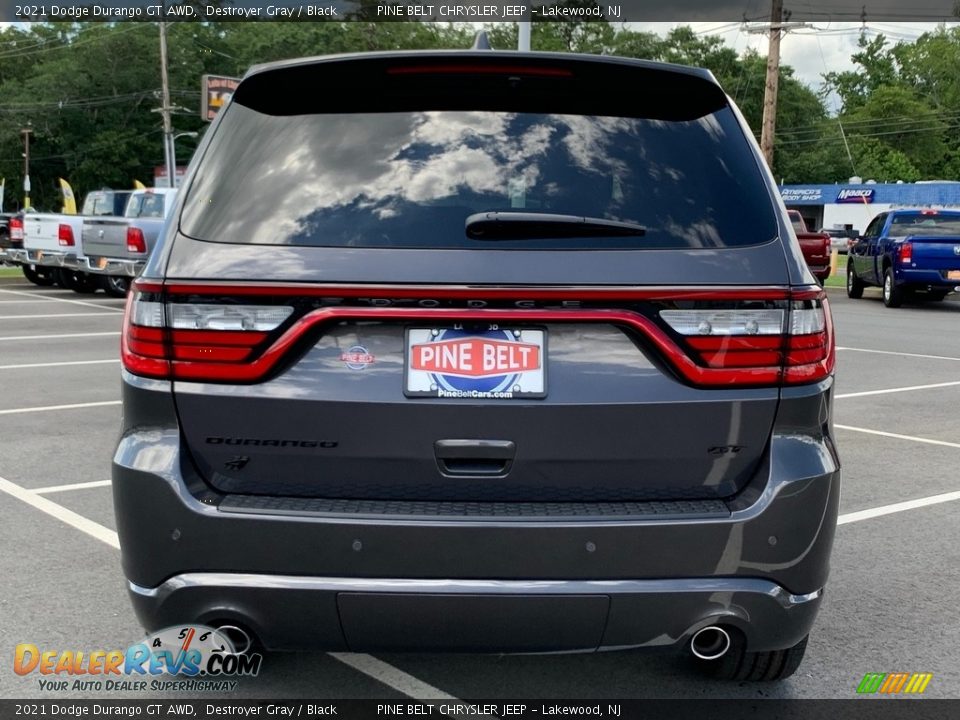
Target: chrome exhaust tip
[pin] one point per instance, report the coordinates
(239, 638)
(710, 643)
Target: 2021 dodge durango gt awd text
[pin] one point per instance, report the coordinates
(509, 353)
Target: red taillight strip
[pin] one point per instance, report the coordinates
(464, 292)
(729, 343)
(133, 361)
(204, 364)
(812, 372)
(478, 70)
(231, 338)
(257, 369)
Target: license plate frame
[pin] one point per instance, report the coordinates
(424, 377)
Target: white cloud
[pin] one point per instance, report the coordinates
(811, 51)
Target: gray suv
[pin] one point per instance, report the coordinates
(507, 352)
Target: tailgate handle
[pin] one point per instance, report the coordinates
(474, 457)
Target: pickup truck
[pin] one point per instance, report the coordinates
(118, 247)
(5, 238)
(50, 240)
(815, 246)
(909, 253)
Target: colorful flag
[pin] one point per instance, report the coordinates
(69, 203)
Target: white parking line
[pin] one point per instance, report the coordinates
(897, 507)
(4, 301)
(897, 390)
(902, 354)
(57, 336)
(897, 436)
(71, 486)
(382, 672)
(58, 364)
(391, 676)
(57, 315)
(63, 300)
(64, 515)
(48, 408)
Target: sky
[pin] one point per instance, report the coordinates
(811, 51)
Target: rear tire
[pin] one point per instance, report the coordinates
(742, 666)
(115, 285)
(37, 275)
(892, 295)
(79, 282)
(854, 284)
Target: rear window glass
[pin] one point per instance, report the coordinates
(145, 205)
(919, 224)
(410, 179)
(104, 203)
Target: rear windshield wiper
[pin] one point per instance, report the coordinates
(536, 226)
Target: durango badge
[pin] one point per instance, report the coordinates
(491, 363)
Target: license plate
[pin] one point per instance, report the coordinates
(101, 263)
(953, 274)
(486, 362)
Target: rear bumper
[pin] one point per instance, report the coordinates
(44, 258)
(366, 615)
(926, 278)
(320, 579)
(108, 266)
(821, 272)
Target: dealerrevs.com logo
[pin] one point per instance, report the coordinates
(894, 683)
(188, 657)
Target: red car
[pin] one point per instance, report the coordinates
(815, 246)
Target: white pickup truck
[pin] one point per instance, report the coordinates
(118, 247)
(51, 240)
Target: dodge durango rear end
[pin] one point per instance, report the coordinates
(522, 341)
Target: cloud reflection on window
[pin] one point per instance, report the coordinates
(411, 179)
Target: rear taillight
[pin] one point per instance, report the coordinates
(241, 333)
(905, 253)
(790, 345)
(16, 229)
(65, 235)
(135, 241)
(188, 341)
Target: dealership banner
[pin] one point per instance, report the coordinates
(114, 708)
(485, 12)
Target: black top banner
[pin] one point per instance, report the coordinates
(453, 709)
(484, 12)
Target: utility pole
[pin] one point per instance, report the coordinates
(769, 126)
(26, 132)
(777, 27)
(523, 34)
(169, 158)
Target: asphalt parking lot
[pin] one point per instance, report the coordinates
(890, 605)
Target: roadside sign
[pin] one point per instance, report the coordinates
(217, 90)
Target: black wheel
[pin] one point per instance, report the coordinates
(892, 295)
(742, 666)
(79, 282)
(854, 284)
(115, 285)
(37, 275)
